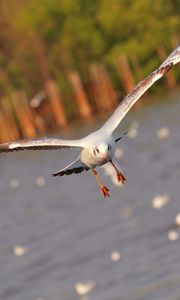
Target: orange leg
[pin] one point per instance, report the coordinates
(104, 189)
(120, 176)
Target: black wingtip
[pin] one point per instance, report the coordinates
(55, 174)
(60, 173)
(4, 147)
(118, 139)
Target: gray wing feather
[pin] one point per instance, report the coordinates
(111, 124)
(39, 144)
(75, 167)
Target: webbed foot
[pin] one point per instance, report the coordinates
(105, 191)
(120, 177)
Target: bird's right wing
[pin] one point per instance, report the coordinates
(126, 104)
(75, 167)
(39, 144)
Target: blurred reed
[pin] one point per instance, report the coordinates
(21, 117)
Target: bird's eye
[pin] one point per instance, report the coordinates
(109, 147)
(97, 150)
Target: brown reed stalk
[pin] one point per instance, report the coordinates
(40, 124)
(171, 81)
(56, 103)
(4, 132)
(50, 84)
(109, 93)
(100, 89)
(136, 66)
(125, 73)
(84, 107)
(10, 124)
(24, 115)
(96, 92)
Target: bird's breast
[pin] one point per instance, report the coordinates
(91, 160)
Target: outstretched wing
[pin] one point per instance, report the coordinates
(126, 104)
(75, 167)
(39, 144)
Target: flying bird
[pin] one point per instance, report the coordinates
(97, 148)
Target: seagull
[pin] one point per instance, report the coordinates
(97, 148)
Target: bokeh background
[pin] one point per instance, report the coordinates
(64, 66)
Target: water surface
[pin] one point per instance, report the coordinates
(68, 231)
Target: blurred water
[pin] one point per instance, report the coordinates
(57, 232)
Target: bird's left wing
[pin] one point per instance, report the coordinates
(39, 144)
(126, 104)
(75, 167)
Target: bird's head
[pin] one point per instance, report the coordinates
(102, 150)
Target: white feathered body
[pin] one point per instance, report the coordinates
(87, 155)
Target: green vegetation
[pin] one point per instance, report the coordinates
(46, 38)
